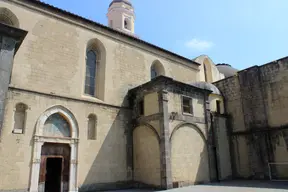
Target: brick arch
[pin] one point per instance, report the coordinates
(190, 125)
(8, 17)
(65, 113)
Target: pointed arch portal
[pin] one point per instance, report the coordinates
(55, 150)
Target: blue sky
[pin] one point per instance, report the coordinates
(242, 33)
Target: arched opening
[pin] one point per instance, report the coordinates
(7, 17)
(20, 118)
(55, 151)
(127, 24)
(56, 126)
(95, 69)
(92, 127)
(156, 69)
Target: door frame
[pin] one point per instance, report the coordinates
(40, 139)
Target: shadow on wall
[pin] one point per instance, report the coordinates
(108, 171)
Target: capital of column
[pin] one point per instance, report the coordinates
(36, 161)
(74, 161)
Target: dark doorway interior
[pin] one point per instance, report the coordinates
(53, 175)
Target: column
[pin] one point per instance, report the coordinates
(165, 150)
(73, 168)
(6, 60)
(36, 165)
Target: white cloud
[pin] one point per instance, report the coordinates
(199, 45)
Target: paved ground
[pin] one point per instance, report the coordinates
(233, 186)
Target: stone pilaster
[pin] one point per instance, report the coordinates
(10, 40)
(6, 61)
(209, 135)
(165, 150)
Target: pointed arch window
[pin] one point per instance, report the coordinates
(91, 71)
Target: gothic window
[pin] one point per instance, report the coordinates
(90, 78)
(19, 118)
(92, 127)
(187, 105)
(57, 126)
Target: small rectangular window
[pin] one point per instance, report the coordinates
(187, 105)
(218, 106)
(141, 107)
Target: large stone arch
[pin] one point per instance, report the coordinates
(146, 155)
(192, 126)
(8, 17)
(149, 126)
(40, 139)
(189, 155)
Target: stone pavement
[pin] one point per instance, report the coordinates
(232, 186)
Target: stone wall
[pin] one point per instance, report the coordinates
(256, 102)
(222, 146)
(53, 61)
(100, 161)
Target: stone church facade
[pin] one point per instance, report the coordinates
(87, 107)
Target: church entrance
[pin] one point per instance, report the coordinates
(55, 168)
(53, 174)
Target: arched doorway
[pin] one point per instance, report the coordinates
(54, 163)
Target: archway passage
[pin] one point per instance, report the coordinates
(55, 168)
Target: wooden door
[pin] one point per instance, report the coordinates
(50, 150)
